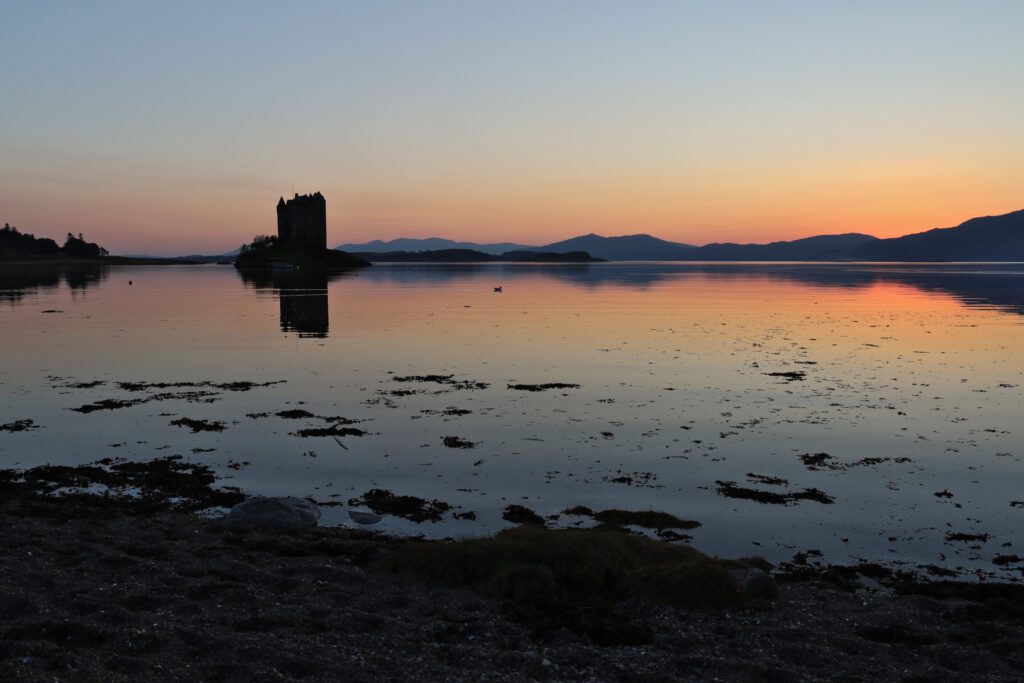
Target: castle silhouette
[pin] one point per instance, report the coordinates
(302, 221)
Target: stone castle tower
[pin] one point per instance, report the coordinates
(302, 221)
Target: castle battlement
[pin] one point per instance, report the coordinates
(302, 221)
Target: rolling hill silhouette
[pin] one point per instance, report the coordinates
(818, 248)
(410, 244)
(624, 248)
(990, 238)
(648, 248)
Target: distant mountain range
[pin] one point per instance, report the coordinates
(227, 257)
(409, 244)
(819, 248)
(624, 248)
(473, 256)
(991, 238)
(640, 248)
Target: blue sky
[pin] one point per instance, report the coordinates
(173, 127)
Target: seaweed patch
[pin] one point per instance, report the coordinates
(543, 387)
(790, 376)
(408, 507)
(518, 514)
(333, 430)
(729, 489)
(447, 380)
(199, 425)
(19, 426)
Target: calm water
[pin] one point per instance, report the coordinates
(918, 368)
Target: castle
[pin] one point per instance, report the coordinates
(302, 221)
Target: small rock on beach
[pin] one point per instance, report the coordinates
(282, 514)
(756, 583)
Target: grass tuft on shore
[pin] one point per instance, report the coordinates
(565, 577)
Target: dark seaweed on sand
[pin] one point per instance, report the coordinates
(543, 387)
(816, 460)
(333, 430)
(223, 386)
(437, 379)
(457, 442)
(638, 479)
(117, 403)
(967, 538)
(824, 461)
(450, 411)
(791, 376)
(107, 404)
(156, 484)
(19, 426)
(729, 489)
(518, 514)
(199, 425)
(294, 414)
(448, 380)
(408, 507)
(767, 480)
(194, 396)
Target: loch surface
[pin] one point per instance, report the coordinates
(709, 391)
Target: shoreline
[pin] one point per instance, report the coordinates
(106, 261)
(129, 588)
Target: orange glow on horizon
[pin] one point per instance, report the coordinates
(695, 210)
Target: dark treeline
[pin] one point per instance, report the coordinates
(16, 244)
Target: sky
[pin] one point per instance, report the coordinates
(173, 128)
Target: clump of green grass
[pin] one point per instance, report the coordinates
(574, 577)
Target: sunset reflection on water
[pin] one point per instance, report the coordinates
(678, 367)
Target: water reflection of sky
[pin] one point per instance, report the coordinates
(916, 366)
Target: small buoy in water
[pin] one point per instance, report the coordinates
(498, 290)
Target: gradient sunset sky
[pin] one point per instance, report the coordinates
(172, 128)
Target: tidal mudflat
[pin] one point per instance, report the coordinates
(138, 587)
(805, 413)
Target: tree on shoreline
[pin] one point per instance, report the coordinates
(17, 244)
(79, 248)
(14, 242)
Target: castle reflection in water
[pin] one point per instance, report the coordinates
(302, 295)
(304, 311)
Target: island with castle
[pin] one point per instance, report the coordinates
(301, 240)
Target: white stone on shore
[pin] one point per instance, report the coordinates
(364, 516)
(283, 513)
